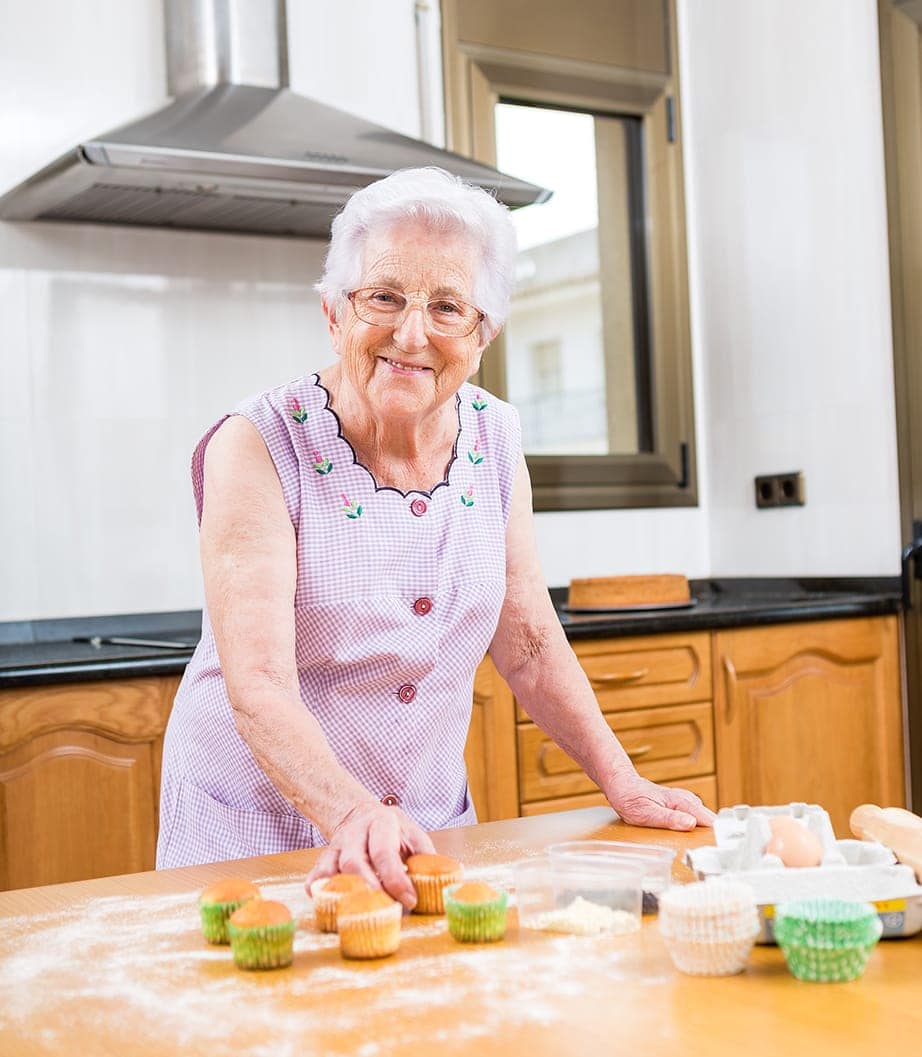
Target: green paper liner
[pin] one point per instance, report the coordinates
(475, 922)
(262, 947)
(828, 923)
(826, 939)
(826, 965)
(214, 919)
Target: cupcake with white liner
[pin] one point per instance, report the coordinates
(327, 893)
(709, 926)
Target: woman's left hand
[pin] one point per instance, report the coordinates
(643, 803)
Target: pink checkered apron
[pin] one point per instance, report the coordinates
(397, 599)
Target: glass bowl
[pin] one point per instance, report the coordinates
(655, 859)
(578, 895)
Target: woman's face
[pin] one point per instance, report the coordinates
(405, 370)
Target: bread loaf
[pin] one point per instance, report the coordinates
(898, 829)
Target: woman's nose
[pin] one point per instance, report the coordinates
(411, 331)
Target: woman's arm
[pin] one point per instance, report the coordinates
(249, 564)
(532, 654)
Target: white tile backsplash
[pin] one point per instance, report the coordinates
(119, 347)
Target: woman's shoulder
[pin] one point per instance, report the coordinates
(294, 399)
(488, 412)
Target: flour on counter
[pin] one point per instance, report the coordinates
(140, 967)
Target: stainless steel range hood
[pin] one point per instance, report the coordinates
(236, 150)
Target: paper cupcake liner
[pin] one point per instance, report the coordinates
(826, 965)
(827, 923)
(325, 905)
(429, 891)
(697, 958)
(475, 922)
(704, 900)
(372, 935)
(712, 932)
(262, 947)
(214, 920)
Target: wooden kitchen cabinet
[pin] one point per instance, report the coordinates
(810, 712)
(655, 694)
(490, 750)
(80, 778)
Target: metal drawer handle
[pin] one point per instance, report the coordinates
(641, 750)
(613, 678)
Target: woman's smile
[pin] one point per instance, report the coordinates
(402, 367)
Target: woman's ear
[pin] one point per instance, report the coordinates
(333, 326)
(488, 333)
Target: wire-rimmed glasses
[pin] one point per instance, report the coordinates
(383, 307)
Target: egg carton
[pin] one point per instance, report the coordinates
(850, 869)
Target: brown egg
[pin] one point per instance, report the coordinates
(793, 843)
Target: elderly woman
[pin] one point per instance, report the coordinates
(366, 536)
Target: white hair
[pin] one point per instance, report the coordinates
(443, 202)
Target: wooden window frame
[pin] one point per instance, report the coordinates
(477, 76)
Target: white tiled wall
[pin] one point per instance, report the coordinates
(790, 281)
(119, 347)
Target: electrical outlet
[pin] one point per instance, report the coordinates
(781, 489)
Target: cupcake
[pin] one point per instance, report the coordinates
(476, 912)
(261, 935)
(827, 939)
(218, 902)
(368, 924)
(430, 874)
(326, 894)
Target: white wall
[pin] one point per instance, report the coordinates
(118, 347)
(790, 281)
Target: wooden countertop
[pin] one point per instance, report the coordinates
(118, 966)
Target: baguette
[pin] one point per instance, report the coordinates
(898, 829)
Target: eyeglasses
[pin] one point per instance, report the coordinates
(447, 316)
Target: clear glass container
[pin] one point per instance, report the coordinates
(578, 895)
(654, 859)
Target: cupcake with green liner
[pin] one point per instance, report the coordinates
(217, 903)
(262, 935)
(827, 939)
(476, 912)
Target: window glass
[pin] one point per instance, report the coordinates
(573, 343)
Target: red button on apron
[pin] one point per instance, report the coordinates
(390, 800)
(418, 507)
(406, 693)
(422, 606)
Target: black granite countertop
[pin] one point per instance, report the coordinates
(736, 603)
(44, 651)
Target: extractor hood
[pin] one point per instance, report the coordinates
(236, 150)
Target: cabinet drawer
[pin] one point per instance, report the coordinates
(704, 785)
(664, 743)
(641, 672)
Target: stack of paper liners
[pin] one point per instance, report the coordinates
(709, 927)
(613, 591)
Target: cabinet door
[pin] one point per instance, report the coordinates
(490, 749)
(80, 779)
(810, 712)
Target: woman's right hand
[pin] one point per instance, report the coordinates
(373, 841)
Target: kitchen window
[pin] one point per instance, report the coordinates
(595, 353)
